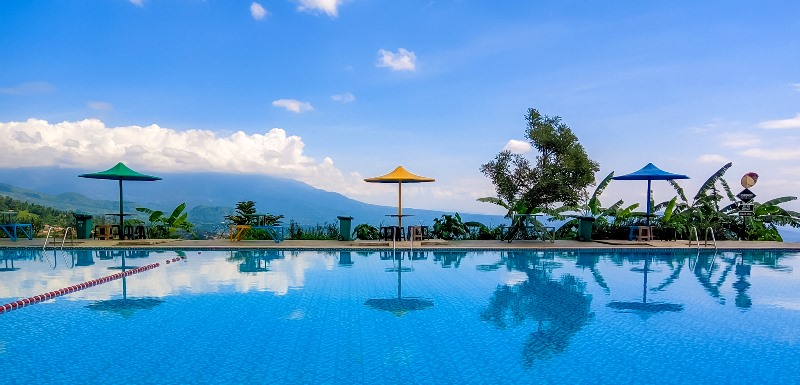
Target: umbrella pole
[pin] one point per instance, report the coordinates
(648, 203)
(400, 204)
(120, 221)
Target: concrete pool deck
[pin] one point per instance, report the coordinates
(433, 244)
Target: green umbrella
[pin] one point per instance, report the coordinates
(120, 172)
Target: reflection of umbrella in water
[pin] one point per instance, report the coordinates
(400, 175)
(645, 307)
(125, 306)
(399, 306)
(650, 173)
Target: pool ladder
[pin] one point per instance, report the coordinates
(697, 238)
(63, 240)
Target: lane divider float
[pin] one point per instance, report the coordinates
(71, 289)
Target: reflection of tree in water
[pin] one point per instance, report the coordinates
(707, 264)
(448, 258)
(254, 261)
(559, 306)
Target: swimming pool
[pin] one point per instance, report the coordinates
(265, 316)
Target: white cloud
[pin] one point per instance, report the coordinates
(782, 123)
(517, 146)
(344, 98)
(402, 60)
(138, 3)
(796, 86)
(712, 158)
(89, 143)
(739, 139)
(257, 11)
(781, 154)
(293, 105)
(330, 7)
(31, 88)
(100, 106)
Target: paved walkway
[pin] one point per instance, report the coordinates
(429, 244)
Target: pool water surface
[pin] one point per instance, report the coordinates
(266, 316)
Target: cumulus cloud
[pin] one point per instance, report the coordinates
(781, 124)
(712, 158)
(402, 60)
(31, 88)
(138, 3)
(781, 154)
(344, 98)
(330, 7)
(739, 139)
(257, 11)
(100, 106)
(88, 143)
(517, 146)
(293, 105)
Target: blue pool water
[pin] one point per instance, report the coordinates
(267, 316)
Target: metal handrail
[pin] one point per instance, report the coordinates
(696, 237)
(713, 238)
(71, 238)
(47, 238)
(63, 240)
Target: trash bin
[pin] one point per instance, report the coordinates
(585, 228)
(344, 228)
(84, 226)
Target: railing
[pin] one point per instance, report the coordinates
(697, 237)
(63, 240)
(713, 238)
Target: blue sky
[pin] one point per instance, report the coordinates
(330, 92)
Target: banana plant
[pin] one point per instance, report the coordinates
(175, 221)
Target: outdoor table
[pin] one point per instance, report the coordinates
(10, 227)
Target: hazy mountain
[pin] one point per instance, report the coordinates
(208, 196)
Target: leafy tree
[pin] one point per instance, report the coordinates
(243, 209)
(366, 232)
(450, 227)
(163, 226)
(561, 171)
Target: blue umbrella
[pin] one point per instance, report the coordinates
(650, 173)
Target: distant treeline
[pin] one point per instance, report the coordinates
(37, 215)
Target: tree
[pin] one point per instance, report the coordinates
(561, 173)
(167, 226)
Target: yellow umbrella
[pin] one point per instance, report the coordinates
(400, 175)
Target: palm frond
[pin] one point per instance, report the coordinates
(712, 180)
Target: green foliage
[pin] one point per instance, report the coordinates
(561, 171)
(326, 231)
(242, 209)
(37, 215)
(366, 232)
(162, 226)
(450, 227)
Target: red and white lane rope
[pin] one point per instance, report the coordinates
(83, 285)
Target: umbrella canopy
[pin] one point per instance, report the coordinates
(400, 175)
(650, 173)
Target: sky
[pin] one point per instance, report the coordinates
(330, 92)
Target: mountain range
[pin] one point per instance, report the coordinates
(208, 197)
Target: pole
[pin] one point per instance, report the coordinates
(400, 204)
(648, 203)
